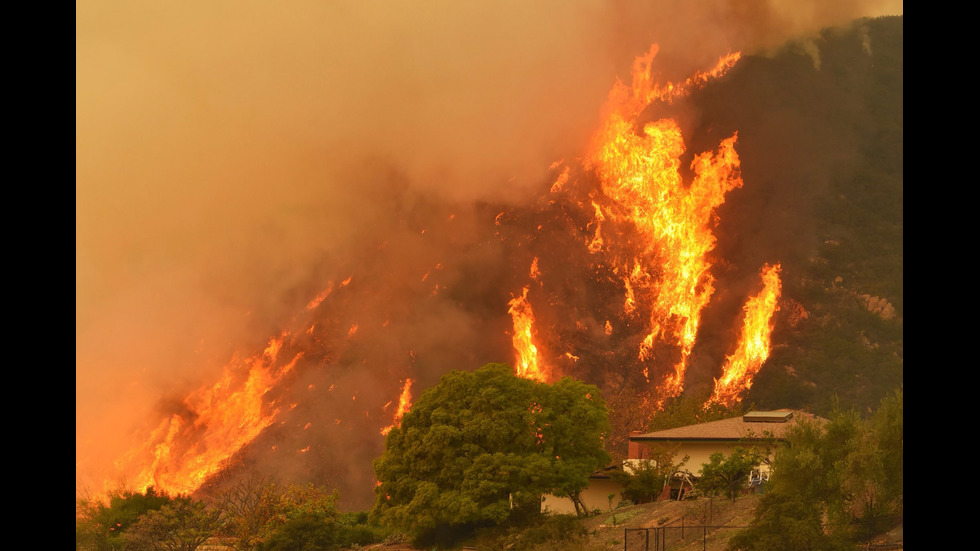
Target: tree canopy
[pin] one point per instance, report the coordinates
(184, 524)
(252, 513)
(101, 524)
(483, 444)
(729, 474)
(833, 484)
(644, 481)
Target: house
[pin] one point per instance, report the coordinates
(595, 496)
(699, 441)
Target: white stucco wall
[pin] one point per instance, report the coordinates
(596, 496)
(699, 453)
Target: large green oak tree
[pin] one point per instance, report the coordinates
(485, 445)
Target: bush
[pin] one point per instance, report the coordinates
(313, 531)
(554, 532)
(100, 525)
(306, 531)
(360, 534)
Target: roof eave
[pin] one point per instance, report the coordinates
(702, 439)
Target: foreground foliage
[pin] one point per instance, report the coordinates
(552, 533)
(483, 447)
(728, 475)
(253, 514)
(183, 524)
(834, 485)
(100, 524)
(644, 481)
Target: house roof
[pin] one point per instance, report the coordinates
(751, 426)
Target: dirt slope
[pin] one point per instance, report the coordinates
(679, 526)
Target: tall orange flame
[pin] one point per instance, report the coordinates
(528, 361)
(216, 421)
(753, 346)
(404, 405)
(641, 174)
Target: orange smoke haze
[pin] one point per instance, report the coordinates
(235, 159)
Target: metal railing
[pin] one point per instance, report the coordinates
(667, 537)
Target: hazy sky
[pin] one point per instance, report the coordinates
(222, 147)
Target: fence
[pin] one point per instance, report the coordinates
(663, 538)
(701, 537)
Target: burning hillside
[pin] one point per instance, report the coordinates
(608, 266)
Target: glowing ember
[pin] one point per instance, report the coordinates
(404, 404)
(753, 346)
(595, 244)
(320, 297)
(560, 181)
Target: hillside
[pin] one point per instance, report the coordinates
(820, 139)
(680, 524)
(821, 124)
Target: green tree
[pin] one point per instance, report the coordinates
(887, 424)
(644, 481)
(315, 528)
(309, 500)
(358, 529)
(783, 521)
(875, 479)
(304, 532)
(184, 524)
(259, 510)
(728, 475)
(797, 505)
(482, 447)
(573, 422)
(252, 507)
(832, 484)
(100, 523)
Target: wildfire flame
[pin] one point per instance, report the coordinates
(662, 251)
(216, 421)
(528, 362)
(320, 297)
(640, 173)
(404, 405)
(753, 346)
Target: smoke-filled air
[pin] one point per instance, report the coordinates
(293, 217)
